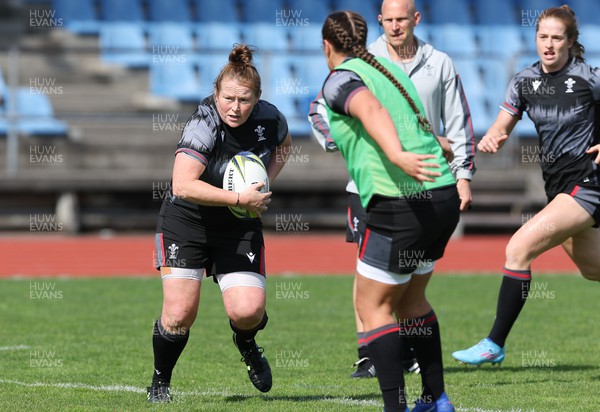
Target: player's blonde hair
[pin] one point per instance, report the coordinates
(240, 68)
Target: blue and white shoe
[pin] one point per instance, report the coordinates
(443, 404)
(485, 351)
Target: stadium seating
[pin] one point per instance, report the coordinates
(78, 16)
(217, 36)
(118, 10)
(306, 39)
(172, 35)
(587, 11)
(224, 11)
(500, 40)
(35, 115)
(449, 12)
(495, 12)
(266, 36)
(124, 44)
(368, 9)
(315, 14)
(263, 11)
(178, 81)
(169, 10)
(589, 37)
(456, 40)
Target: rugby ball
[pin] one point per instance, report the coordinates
(243, 170)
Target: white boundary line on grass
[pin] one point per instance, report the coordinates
(127, 388)
(18, 347)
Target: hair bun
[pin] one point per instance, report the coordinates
(241, 55)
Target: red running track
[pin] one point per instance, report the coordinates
(286, 254)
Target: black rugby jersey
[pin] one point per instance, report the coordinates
(213, 143)
(565, 108)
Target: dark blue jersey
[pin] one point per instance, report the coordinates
(565, 108)
(213, 143)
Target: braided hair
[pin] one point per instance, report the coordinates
(567, 16)
(347, 32)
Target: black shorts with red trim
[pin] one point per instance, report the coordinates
(355, 218)
(399, 234)
(181, 241)
(588, 197)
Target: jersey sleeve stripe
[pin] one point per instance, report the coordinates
(194, 155)
(511, 109)
(350, 96)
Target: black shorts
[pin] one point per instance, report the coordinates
(399, 234)
(182, 242)
(355, 218)
(589, 199)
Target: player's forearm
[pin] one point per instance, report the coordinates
(202, 193)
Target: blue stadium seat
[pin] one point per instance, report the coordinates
(224, 11)
(504, 41)
(120, 39)
(124, 44)
(179, 81)
(169, 10)
(449, 12)
(589, 37)
(264, 11)
(316, 13)
(312, 71)
(36, 116)
(495, 12)
(78, 16)
(455, 40)
(306, 38)
(523, 61)
(172, 34)
(118, 10)
(266, 36)
(496, 76)
(423, 32)
(470, 76)
(480, 119)
(210, 65)
(368, 9)
(587, 11)
(218, 36)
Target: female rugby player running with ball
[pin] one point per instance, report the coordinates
(198, 234)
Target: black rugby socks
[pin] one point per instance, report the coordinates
(423, 334)
(385, 350)
(167, 348)
(512, 297)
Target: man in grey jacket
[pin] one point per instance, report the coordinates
(441, 93)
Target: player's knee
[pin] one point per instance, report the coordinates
(178, 319)
(246, 316)
(517, 255)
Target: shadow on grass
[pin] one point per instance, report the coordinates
(375, 397)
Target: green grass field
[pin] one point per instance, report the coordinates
(85, 344)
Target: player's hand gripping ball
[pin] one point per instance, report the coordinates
(243, 170)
